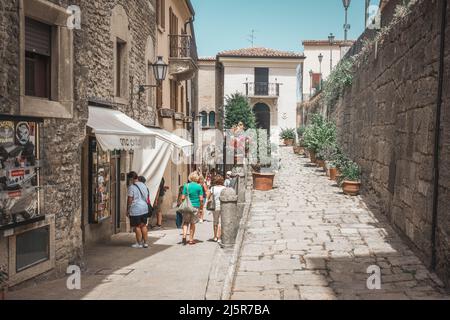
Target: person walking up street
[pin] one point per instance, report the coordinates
(195, 192)
(205, 189)
(158, 204)
(216, 191)
(137, 209)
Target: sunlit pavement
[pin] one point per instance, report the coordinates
(306, 240)
(167, 270)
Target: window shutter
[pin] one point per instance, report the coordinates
(37, 37)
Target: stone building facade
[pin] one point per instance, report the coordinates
(387, 123)
(84, 72)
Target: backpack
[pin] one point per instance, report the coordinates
(211, 205)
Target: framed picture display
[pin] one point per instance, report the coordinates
(20, 171)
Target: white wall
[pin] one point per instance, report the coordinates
(285, 112)
(312, 63)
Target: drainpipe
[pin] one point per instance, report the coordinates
(437, 138)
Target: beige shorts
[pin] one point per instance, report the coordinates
(217, 218)
(190, 218)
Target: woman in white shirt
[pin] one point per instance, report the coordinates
(216, 190)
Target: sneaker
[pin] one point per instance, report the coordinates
(137, 246)
(157, 227)
(145, 245)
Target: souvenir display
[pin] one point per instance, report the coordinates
(100, 184)
(19, 172)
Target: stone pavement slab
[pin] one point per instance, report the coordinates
(307, 240)
(167, 270)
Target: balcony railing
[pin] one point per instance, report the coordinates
(181, 46)
(262, 89)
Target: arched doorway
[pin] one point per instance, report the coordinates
(262, 114)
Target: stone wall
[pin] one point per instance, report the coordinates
(62, 139)
(443, 230)
(386, 122)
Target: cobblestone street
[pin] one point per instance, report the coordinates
(306, 240)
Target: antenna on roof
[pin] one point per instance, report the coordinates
(251, 37)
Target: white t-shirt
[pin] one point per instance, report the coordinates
(217, 191)
(139, 205)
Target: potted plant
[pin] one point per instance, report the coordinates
(262, 181)
(288, 136)
(3, 284)
(332, 170)
(351, 175)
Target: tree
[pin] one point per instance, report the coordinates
(238, 110)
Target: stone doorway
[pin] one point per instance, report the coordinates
(262, 114)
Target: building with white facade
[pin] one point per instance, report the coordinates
(269, 78)
(315, 71)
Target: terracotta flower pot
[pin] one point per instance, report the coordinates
(263, 181)
(320, 163)
(289, 142)
(296, 149)
(333, 173)
(312, 156)
(351, 188)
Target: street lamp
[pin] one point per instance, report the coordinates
(367, 12)
(346, 4)
(320, 66)
(160, 73)
(331, 38)
(310, 83)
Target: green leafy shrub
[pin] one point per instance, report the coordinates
(287, 134)
(319, 134)
(351, 172)
(340, 78)
(301, 131)
(239, 110)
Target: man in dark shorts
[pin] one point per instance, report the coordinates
(137, 209)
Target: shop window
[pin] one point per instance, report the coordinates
(32, 247)
(20, 193)
(100, 183)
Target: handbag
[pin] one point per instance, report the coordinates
(186, 206)
(150, 207)
(211, 205)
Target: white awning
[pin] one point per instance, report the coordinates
(114, 130)
(173, 139)
(152, 164)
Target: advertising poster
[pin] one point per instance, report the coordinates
(19, 172)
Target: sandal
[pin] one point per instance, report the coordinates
(191, 243)
(184, 241)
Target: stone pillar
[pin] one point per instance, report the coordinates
(230, 216)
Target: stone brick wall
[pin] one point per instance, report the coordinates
(93, 77)
(386, 122)
(443, 230)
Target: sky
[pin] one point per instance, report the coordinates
(278, 24)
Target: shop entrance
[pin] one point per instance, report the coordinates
(115, 186)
